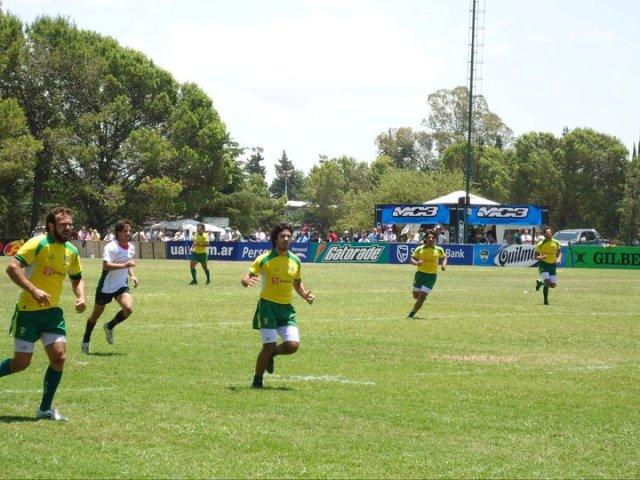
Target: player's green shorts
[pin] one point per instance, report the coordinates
(550, 268)
(199, 257)
(424, 279)
(29, 325)
(273, 315)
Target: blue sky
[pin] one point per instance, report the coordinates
(317, 77)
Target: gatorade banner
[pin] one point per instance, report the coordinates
(403, 214)
(627, 258)
(506, 215)
(352, 253)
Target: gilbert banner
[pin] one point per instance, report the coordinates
(627, 258)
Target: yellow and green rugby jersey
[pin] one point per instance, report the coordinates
(429, 257)
(278, 273)
(550, 249)
(48, 262)
(200, 243)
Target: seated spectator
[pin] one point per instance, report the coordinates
(226, 236)
(179, 235)
(525, 237)
(95, 236)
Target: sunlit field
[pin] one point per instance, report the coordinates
(486, 383)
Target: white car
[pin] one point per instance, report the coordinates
(582, 236)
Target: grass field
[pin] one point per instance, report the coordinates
(487, 383)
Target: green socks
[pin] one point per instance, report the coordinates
(206, 272)
(4, 368)
(51, 382)
(193, 274)
(545, 293)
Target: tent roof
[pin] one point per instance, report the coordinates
(452, 198)
(187, 223)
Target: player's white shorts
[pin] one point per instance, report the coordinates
(423, 288)
(288, 333)
(551, 278)
(22, 346)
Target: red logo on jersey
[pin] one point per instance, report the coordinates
(47, 270)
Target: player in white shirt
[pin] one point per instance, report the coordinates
(117, 267)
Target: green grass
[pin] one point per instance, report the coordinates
(487, 383)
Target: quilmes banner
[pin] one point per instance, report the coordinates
(402, 214)
(508, 256)
(249, 251)
(456, 254)
(10, 247)
(605, 257)
(352, 253)
(506, 215)
(181, 250)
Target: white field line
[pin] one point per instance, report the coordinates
(305, 378)
(66, 389)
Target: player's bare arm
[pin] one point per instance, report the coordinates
(248, 280)
(78, 290)
(15, 270)
(303, 292)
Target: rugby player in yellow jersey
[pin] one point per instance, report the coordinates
(548, 252)
(199, 254)
(426, 257)
(39, 268)
(280, 270)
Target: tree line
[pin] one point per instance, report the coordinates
(100, 127)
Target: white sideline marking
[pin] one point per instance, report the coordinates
(66, 389)
(325, 378)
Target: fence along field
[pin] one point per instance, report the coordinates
(487, 383)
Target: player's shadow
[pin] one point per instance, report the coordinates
(281, 388)
(16, 419)
(106, 354)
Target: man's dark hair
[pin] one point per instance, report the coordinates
(51, 216)
(429, 232)
(200, 225)
(120, 224)
(281, 227)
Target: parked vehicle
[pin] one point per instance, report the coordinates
(580, 236)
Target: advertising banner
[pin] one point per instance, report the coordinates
(181, 250)
(9, 247)
(456, 254)
(352, 253)
(506, 215)
(605, 257)
(508, 256)
(402, 214)
(249, 251)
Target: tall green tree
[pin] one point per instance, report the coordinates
(448, 120)
(407, 148)
(254, 163)
(287, 175)
(18, 150)
(629, 210)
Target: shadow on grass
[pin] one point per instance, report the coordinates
(16, 419)
(107, 354)
(236, 388)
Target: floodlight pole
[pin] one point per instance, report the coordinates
(467, 169)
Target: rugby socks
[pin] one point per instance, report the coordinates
(411, 314)
(257, 381)
(87, 331)
(206, 272)
(193, 274)
(119, 318)
(538, 284)
(545, 293)
(5, 368)
(51, 382)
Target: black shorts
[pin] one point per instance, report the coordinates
(104, 298)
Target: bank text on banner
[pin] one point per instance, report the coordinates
(456, 254)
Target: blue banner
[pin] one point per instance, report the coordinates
(403, 214)
(506, 215)
(456, 254)
(181, 250)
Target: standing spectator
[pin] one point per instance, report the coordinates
(95, 236)
(526, 237)
(440, 236)
(108, 236)
(227, 236)
(333, 236)
(179, 235)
